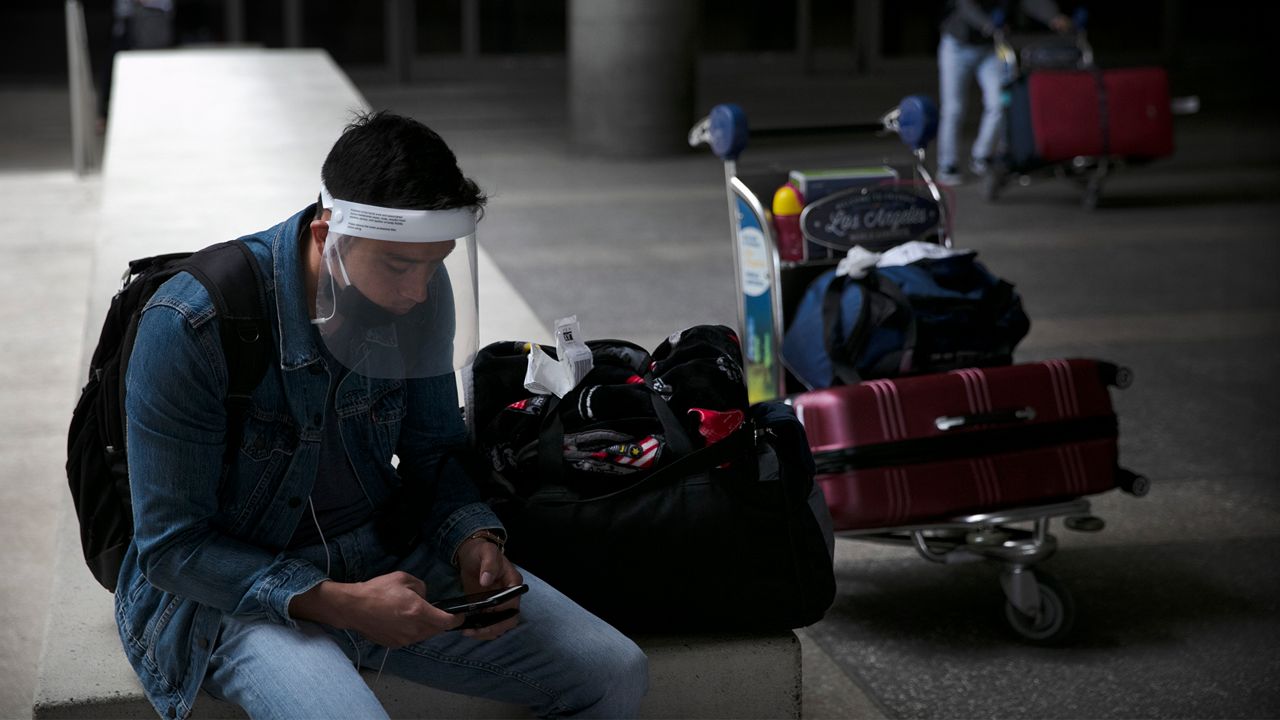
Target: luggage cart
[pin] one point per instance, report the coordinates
(1089, 169)
(1038, 608)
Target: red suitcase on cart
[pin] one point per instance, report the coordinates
(1112, 113)
(1139, 113)
(1065, 114)
(903, 451)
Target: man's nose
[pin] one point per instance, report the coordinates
(414, 285)
(414, 290)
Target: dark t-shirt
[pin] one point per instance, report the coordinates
(338, 499)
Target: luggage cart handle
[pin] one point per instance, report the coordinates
(914, 120)
(724, 129)
(999, 417)
(1005, 51)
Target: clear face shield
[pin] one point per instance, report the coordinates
(396, 293)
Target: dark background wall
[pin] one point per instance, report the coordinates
(1219, 50)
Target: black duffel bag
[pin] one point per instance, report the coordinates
(730, 534)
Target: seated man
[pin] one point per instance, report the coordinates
(268, 575)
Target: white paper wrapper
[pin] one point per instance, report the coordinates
(546, 376)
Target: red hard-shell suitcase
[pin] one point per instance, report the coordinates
(914, 449)
(1082, 113)
(1065, 114)
(1139, 116)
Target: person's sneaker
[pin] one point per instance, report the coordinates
(950, 176)
(979, 166)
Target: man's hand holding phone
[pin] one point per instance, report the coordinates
(390, 609)
(483, 569)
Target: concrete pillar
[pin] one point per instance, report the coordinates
(631, 76)
(86, 149)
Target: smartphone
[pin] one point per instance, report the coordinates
(475, 602)
(485, 619)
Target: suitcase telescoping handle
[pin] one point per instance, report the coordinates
(998, 417)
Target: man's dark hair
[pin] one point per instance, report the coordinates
(394, 161)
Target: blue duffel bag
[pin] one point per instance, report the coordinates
(930, 315)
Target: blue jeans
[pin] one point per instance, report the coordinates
(957, 62)
(560, 661)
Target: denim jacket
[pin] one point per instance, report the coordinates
(209, 540)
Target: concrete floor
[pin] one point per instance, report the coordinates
(42, 311)
(1173, 276)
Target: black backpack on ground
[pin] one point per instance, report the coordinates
(97, 464)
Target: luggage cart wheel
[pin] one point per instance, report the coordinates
(1053, 615)
(992, 183)
(1092, 192)
(1084, 523)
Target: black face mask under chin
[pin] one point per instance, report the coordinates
(372, 340)
(360, 311)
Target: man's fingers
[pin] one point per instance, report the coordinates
(415, 584)
(510, 575)
(446, 621)
(431, 620)
(491, 564)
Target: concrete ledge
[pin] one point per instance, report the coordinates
(84, 674)
(204, 146)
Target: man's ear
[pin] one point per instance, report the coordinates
(320, 230)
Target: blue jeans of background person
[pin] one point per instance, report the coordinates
(957, 62)
(559, 661)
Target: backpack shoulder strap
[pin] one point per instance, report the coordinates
(231, 275)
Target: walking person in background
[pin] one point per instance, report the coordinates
(967, 50)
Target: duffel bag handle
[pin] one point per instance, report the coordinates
(730, 448)
(844, 353)
(998, 417)
(551, 438)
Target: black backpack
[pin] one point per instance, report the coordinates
(97, 462)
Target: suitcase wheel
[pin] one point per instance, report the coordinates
(1133, 483)
(1052, 617)
(1116, 376)
(1124, 377)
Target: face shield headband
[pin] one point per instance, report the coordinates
(396, 292)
